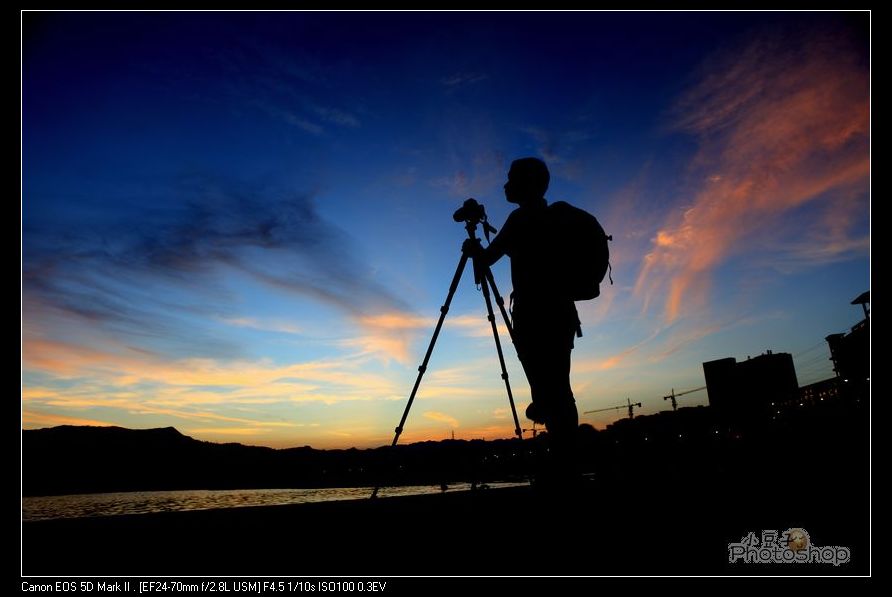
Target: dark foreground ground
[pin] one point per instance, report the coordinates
(681, 528)
(651, 508)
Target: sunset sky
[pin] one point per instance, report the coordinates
(240, 224)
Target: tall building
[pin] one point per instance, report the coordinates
(721, 382)
(750, 388)
(850, 353)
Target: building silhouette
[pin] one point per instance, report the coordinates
(850, 354)
(749, 390)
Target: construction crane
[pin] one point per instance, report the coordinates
(673, 396)
(629, 405)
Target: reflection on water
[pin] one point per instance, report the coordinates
(142, 502)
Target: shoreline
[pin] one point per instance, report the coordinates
(600, 530)
(102, 504)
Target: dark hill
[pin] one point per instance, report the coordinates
(69, 459)
(72, 459)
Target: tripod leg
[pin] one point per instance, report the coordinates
(430, 349)
(500, 302)
(484, 285)
(490, 283)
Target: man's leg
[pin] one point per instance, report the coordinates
(563, 417)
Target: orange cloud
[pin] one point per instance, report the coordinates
(396, 320)
(478, 326)
(442, 418)
(35, 420)
(388, 335)
(126, 367)
(383, 344)
(222, 431)
(65, 359)
(611, 362)
(501, 413)
(778, 129)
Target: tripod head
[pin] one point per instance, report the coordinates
(473, 213)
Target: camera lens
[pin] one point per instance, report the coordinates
(469, 211)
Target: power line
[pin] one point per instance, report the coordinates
(812, 364)
(809, 349)
(818, 359)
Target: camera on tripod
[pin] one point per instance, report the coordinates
(473, 213)
(470, 211)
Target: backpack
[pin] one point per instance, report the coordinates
(580, 254)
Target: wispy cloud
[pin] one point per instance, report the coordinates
(298, 121)
(561, 149)
(285, 83)
(457, 184)
(501, 413)
(123, 378)
(311, 118)
(441, 418)
(461, 79)
(271, 325)
(224, 432)
(382, 344)
(115, 280)
(781, 123)
(390, 335)
(335, 116)
(474, 172)
(396, 320)
(34, 419)
(478, 326)
(615, 360)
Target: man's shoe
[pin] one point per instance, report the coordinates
(535, 413)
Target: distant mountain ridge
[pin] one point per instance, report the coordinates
(81, 459)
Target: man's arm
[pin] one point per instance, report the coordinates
(503, 242)
(500, 245)
(495, 250)
(488, 255)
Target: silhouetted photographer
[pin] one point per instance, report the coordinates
(558, 255)
(556, 258)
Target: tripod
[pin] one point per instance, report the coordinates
(472, 214)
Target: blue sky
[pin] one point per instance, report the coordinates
(239, 224)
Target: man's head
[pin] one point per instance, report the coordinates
(527, 180)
